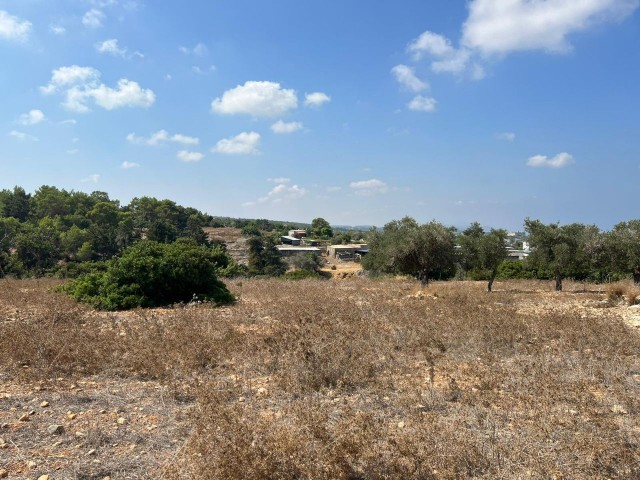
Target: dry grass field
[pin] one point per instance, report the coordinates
(353, 379)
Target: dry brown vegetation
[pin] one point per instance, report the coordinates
(354, 379)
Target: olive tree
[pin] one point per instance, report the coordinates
(406, 247)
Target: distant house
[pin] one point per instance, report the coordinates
(292, 250)
(298, 233)
(348, 252)
(290, 240)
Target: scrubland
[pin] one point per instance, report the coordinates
(354, 379)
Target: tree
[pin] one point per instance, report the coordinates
(424, 251)
(151, 274)
(562, 249)
(15, 203)
(264, 258)
(321, 228)
(622, 246)
(483, 251)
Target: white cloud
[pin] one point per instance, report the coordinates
(279, 193)
(423, 104)
(316, 99)
(128, 165)
(199, 50)
(162, 136)
(23, 137)
(57, 29)
(111, 47)
(507, 136)
(67, 76)
(12, 28)
(504, 26)
(407, 78)
(187, 156)
(561, 160)
(70, 121)
(95, 178)
(32, 118)
(369, 187)
(496, 28)
(282, 127)
(93, 18)
(246, 143)
(258, 99)
(82, 85)
(432, 44)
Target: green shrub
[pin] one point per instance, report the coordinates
(151, 274)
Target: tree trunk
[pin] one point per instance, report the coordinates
(636, 276)
(494, 274)
(423, 275)
(558, 282)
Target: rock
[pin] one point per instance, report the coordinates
(91, 452)
(241, 399)
(619, 409)
(262, 392)
(3, 473)
(55, 429)
(71, 416)
(44, 404)
(44, 477)
(400, 424)
(121, 421)
(24, 418)
(32, 464)
(32, 412)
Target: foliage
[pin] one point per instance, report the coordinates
(482, 253)
(307, 262)
(405, 247)
(264, 258)
(562, 249)
(321, 228)
(151, 274)
(302, 275)
(622, 247)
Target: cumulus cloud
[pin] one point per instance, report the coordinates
(507, 136)
(369, 187)
(93, 18)
(13, 28)
(258, 99)
(111, 47)
(246, 143)
(496, 28)
(187, 156)
(316, 99)
(561, 160)
(505, 26)
(162, 136)
(282, 192)
(66, 76)
(32, 118)
(423, 104)
(128, 165)
(22, 137)
(407, 78)
(279, 180)
(82, 85)
(283, 127)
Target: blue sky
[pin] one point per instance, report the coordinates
(359, 112)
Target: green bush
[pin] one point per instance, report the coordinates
(301, 275)
(151, 274)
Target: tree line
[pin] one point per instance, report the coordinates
(434, 251)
